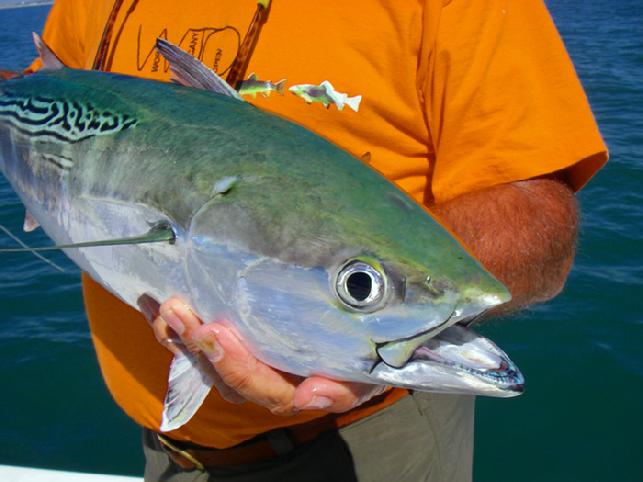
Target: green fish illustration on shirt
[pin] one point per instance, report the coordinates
(326, 94)
(253, 86)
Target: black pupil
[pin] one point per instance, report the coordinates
(359, 285)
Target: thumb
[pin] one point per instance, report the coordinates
(317, 393)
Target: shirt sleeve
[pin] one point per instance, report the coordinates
(64, 33)
(502, 99)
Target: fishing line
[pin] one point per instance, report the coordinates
(160, 233)
(25, 247)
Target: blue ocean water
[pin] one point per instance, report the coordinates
(581, 417)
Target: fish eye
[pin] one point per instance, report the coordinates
(360, 285)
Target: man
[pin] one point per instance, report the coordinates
(472, 108)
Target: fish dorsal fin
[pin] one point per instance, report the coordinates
(191, 72)
(50, 60)
(328, 86)
(252, 76)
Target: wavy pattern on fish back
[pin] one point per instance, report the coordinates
(59, 119)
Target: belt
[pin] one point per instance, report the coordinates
(263, 447)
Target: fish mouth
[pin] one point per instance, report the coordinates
(456, 360)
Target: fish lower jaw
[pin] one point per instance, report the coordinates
(456, 360)
(506, 375)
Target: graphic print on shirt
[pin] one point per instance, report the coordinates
(326, 94)
(216, 47)
(253, 85)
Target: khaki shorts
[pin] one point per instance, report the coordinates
(422, 437)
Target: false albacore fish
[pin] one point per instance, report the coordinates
(326, 94)
(253, 86)
(321, 264)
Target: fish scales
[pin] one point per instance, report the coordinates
(315, 258)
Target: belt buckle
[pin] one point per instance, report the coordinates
(183, 458)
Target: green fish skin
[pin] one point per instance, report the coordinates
(321, 264)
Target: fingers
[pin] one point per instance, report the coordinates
(241, 371)
(241, 376)
(181, 320)
(318, 393)
(227, 393)
(173, 326)
(165, 335)
(180, 317)
(281, 393)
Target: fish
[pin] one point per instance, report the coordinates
(322, 265)
(326, 94)
(253, 86)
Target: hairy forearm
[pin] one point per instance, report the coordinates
(523, 232)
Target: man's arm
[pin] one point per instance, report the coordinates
(523, 232)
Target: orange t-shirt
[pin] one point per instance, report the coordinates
(456, 96)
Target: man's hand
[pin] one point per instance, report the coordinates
(242, 376)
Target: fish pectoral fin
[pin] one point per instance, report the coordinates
(191, 72)
(190, 380)
(30, 223)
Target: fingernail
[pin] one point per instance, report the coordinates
(148, 306)
(174, 321)
(318, 402)
(211, 349)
